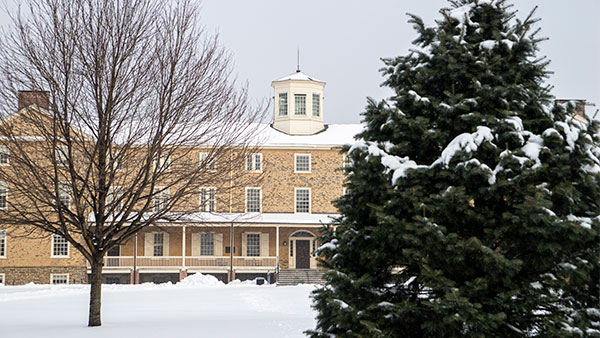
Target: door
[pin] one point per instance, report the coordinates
(302, 254)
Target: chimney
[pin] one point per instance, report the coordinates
(39, 97)
(579, 105)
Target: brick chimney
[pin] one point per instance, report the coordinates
(38, 97)
(579, 105)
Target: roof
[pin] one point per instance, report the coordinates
(262, 218)
(298, 75)
(334, 135)
(253, 217)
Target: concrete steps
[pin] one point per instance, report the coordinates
(300, 276)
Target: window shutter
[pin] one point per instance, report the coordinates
(196, 244)
(149, 244)
(264, 244)
(218, 245)
(166, 244)
(244, 241)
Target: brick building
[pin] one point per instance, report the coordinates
(256, 230)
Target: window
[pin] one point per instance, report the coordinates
(208, 163)
(61, 155)
(316, 104)
(162, 163)
(159, 244)
(207, 244)
(253, 245)
(64, 196)
(2, 279)
(302, 163)
(161, 198)
(113, 197)
(253, 199)
(4, 155)
(60, 246)
(300, 104)
(254, 162)
(207, 199)
(347, 161)
(62, 278)
(302, 199)
(2, 243)
(3, 195)
(283, 106)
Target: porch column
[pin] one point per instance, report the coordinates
(277, 248)
(183, 248)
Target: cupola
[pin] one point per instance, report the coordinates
(298, 104)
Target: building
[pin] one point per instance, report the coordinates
(253, 231)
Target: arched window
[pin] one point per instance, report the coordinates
(302, 234)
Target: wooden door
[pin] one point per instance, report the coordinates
(302, 254)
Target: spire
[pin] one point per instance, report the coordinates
(298, 60)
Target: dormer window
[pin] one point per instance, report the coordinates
(283, 104)
(300, 104)
(316, 104)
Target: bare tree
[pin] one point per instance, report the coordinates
(133, 91)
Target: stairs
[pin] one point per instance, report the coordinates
(299, 276)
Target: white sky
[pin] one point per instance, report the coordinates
(341, 43)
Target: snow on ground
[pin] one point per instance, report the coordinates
(198, 307)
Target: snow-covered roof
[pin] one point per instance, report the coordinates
(252, 217)
(298, 75)
(262, 218)
(334, 135)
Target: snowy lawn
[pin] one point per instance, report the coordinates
(198, 308)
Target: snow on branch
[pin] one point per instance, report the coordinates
(465, 142)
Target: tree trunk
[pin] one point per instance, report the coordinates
(95, 293)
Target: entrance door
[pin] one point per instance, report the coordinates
(302, 254)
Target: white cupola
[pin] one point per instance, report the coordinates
(298, 108)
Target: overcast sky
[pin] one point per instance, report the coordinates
(341, 43)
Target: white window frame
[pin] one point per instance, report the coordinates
(162, 162)
(205, 194)
(248, 243)
(4, 192)
(58, 275)
(259, 198)
(61, 155)
(115, 193)
(160, 198)
(254, 162)
(210, 166)
(296, 163)
(64, 191)
(3, 243)
(2, 279)
(296, 201)
(205, 246)
(283, 108)
(155, 245)
(318, 104)
(346, 161)
(52, 255)
(4, 154)
(299, 107)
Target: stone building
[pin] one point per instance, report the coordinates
(245, 232)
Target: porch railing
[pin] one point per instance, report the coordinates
(193, 262)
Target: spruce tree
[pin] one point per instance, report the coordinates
(472, 205)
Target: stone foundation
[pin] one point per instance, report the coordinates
(41, 275)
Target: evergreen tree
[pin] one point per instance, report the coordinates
(472, 205)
